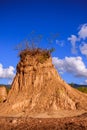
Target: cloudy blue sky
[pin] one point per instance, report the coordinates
(67, 18)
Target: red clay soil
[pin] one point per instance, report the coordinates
(21, 123)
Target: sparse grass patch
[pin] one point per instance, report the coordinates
(42, 54)
(82, 89)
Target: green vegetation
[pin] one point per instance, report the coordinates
(82, 89)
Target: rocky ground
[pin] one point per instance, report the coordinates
(26, 123)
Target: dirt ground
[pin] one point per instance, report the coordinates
(28, 123)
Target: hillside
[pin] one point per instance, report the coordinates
(77, 85)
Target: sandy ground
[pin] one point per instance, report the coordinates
(28, 123)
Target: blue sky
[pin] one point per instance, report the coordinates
(68, 18)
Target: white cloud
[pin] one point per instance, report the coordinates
(83, 32)
(83, 49)
(7, 73)
(85, 81)
(73, 39)
(80, 37)
(59, 64)
(73, 65)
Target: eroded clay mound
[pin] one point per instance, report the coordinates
(37, 87)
